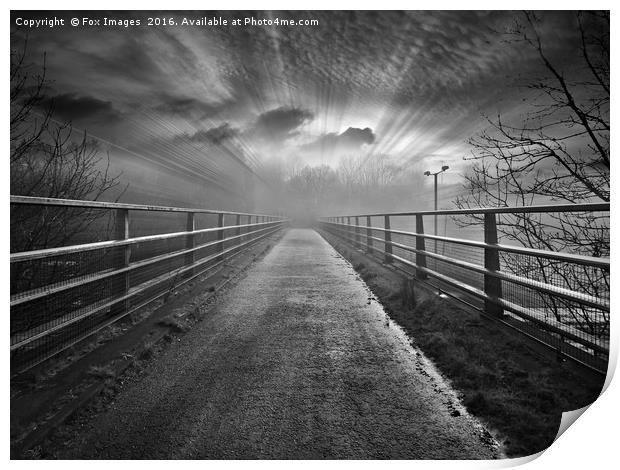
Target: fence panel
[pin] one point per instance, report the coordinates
(64, 289)
(558, 297)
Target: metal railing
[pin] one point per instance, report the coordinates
(110, 266)
(560, 299)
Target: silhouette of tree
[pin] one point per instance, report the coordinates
(48, 159)
(557, 153)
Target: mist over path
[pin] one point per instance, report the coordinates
(297, 361)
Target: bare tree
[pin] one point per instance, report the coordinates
(357, 183)
(349, 170)
(48, 159)
(557, 153)
(313, 184)
(361, 174)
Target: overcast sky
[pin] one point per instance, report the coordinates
(411, 86)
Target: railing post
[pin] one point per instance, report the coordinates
(220, 235)
(238, 229)
(124, 256)
(492, 285)
(420, 258)
(368, 235)
(388, 240)
(357, 232)
(349, 229)
(190, 242)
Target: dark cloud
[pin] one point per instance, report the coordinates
(351, 139)
(71, 107)
(215, 135)
(281, 123)
(188, 106)
(127, 57)
(420, 80)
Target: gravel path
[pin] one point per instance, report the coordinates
(297, 361)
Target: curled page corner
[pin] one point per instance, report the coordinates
(611, 366)
(568, 418)
(518, 461)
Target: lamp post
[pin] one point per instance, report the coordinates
(428, 173)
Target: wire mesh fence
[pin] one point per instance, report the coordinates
(70, 278)
(552, 284)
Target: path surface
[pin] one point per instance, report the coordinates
(295, 362)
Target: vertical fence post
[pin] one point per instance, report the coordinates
(238, 229)
(368, 235)
(220, 235)
(190, 242)
(349, 229)
(357, 232)
(420, 258)
(492, 285)
(388, 240)
(124, 256)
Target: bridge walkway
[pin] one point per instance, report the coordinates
(298, 360)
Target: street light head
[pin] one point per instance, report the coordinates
(444, 168)
(427, 173)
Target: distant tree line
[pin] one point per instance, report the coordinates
(357, 183)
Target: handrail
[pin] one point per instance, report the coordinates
(560, 256)
(567, 294)
(84, 313)
(29, 296)
(68, 307)
(65, 250)
(582, 207)
(46, 201)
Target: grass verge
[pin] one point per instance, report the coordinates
(518, 389)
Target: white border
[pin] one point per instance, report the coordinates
(591, 443)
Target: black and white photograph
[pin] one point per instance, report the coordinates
(307, 234)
